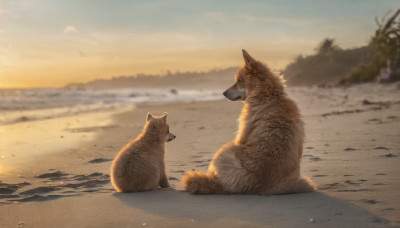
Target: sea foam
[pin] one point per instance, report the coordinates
(18, 105)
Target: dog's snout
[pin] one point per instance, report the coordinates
(224, 93)
(170, 137)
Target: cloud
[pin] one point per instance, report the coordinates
(70, 29)
(279, 20)
(14, 9)
(151, 37)
(217, 16)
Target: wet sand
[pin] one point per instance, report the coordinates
(351, 152)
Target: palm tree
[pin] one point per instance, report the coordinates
(386, 42)
(385, 52)
(327, 47)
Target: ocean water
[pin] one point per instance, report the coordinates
(18, 105)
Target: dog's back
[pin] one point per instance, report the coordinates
(275, 134)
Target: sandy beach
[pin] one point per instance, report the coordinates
(55, 173)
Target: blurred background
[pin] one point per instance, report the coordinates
(61, 58)
(46, 43)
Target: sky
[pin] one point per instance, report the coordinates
(50, 43)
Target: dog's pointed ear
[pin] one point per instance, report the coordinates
(248, 60)
(149, 116)
(164, 117)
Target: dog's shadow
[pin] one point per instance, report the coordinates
(285, 210)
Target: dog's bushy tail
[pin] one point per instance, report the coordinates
(198, 182)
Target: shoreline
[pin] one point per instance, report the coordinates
(344, 154)
(43, 141)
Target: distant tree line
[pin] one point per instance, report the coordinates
(332, 65)
(326, 66)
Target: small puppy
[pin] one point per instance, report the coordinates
(140, 165)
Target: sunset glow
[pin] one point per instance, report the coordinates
(49, 43)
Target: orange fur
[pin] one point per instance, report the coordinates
(140, 165)
(265, 156)
(209, 182)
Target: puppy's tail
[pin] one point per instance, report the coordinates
(198, 182)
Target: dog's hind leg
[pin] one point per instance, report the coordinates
(228, 168)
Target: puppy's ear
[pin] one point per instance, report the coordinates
(248, 60)
(149, 116)
(164, 117)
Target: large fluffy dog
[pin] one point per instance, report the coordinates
(265, 156)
